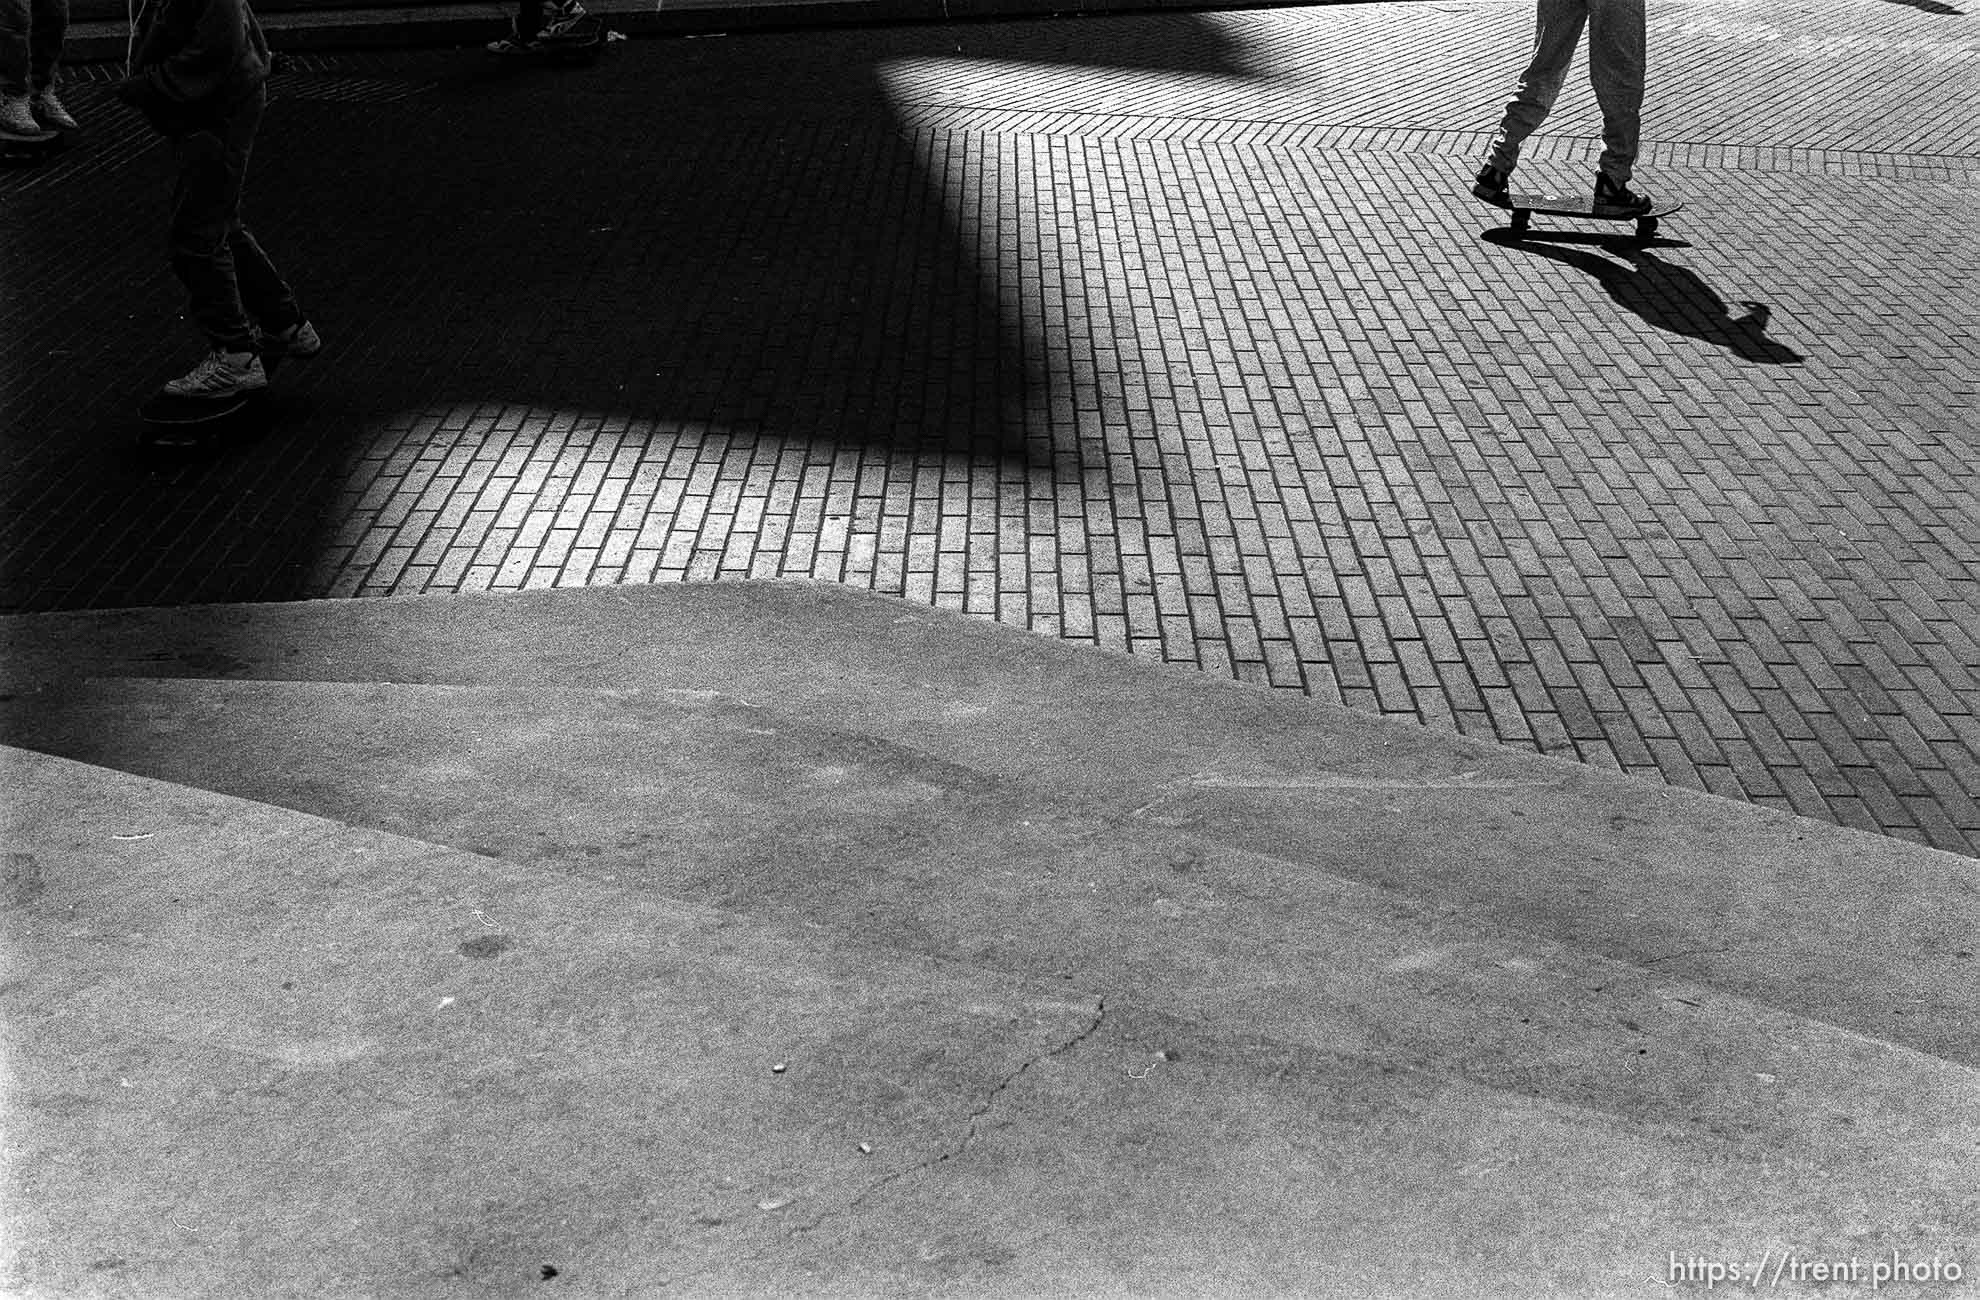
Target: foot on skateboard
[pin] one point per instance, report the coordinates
(182, 422)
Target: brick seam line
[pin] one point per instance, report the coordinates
(1351, 138)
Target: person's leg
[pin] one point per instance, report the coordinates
(205, 215)
(14, 30)
(1615, 66)
(524, 29)
(1557, 30)
(264, 296)
(205, 203)
(264, 292)
(15, 62)
(51, 31)
(48, 31)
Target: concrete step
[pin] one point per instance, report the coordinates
(692, 796)
(253, 1051)
(1856, 930)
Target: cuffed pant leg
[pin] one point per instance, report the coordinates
(1557, 31)
(1616, 67)
(265, 294)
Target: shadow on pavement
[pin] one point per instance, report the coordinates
(734, 237)
(1670, 297)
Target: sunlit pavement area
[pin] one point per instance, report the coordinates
(1176, 334)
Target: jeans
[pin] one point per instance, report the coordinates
(234, 290)
(1615, 66)
(31, 36)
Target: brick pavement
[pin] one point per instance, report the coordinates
(1174, 334)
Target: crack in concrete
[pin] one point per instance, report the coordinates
(975, 1116)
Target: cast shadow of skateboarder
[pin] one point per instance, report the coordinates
(1677, 299)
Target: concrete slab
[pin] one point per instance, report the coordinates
(1855, 929)
(255, 1052)
(686, 795)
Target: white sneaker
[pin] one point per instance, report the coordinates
(221, 374)
(17, 116)
(563, 19)
(49, 112)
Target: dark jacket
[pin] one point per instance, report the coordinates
(196, 61)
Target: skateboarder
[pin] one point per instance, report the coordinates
(537, 21)
(1615, 66)
(199, 80)
(32, 33)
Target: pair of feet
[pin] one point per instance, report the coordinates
(221, 373)
(34, 114)
(1612, 198)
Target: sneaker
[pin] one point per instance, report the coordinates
(221, 374)
(1493, 185)
(1615, 199)
(511, 45)
(563, 18)
(17, 117)
(49, 112)
(299, 340)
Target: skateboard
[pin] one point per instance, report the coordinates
(22, 149)
(173, 423)
(1523, 206)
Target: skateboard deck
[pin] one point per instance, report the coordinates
(29, 148)
(1523, 206)
(173, 423)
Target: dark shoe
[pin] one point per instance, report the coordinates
(299, 340)
(1613, 199)
(1493, 185)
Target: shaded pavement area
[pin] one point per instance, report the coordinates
(1176, 334)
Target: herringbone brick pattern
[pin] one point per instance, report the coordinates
(1172, 334)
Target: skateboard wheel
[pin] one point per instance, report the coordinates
(1519, 220)
(1646, 229)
